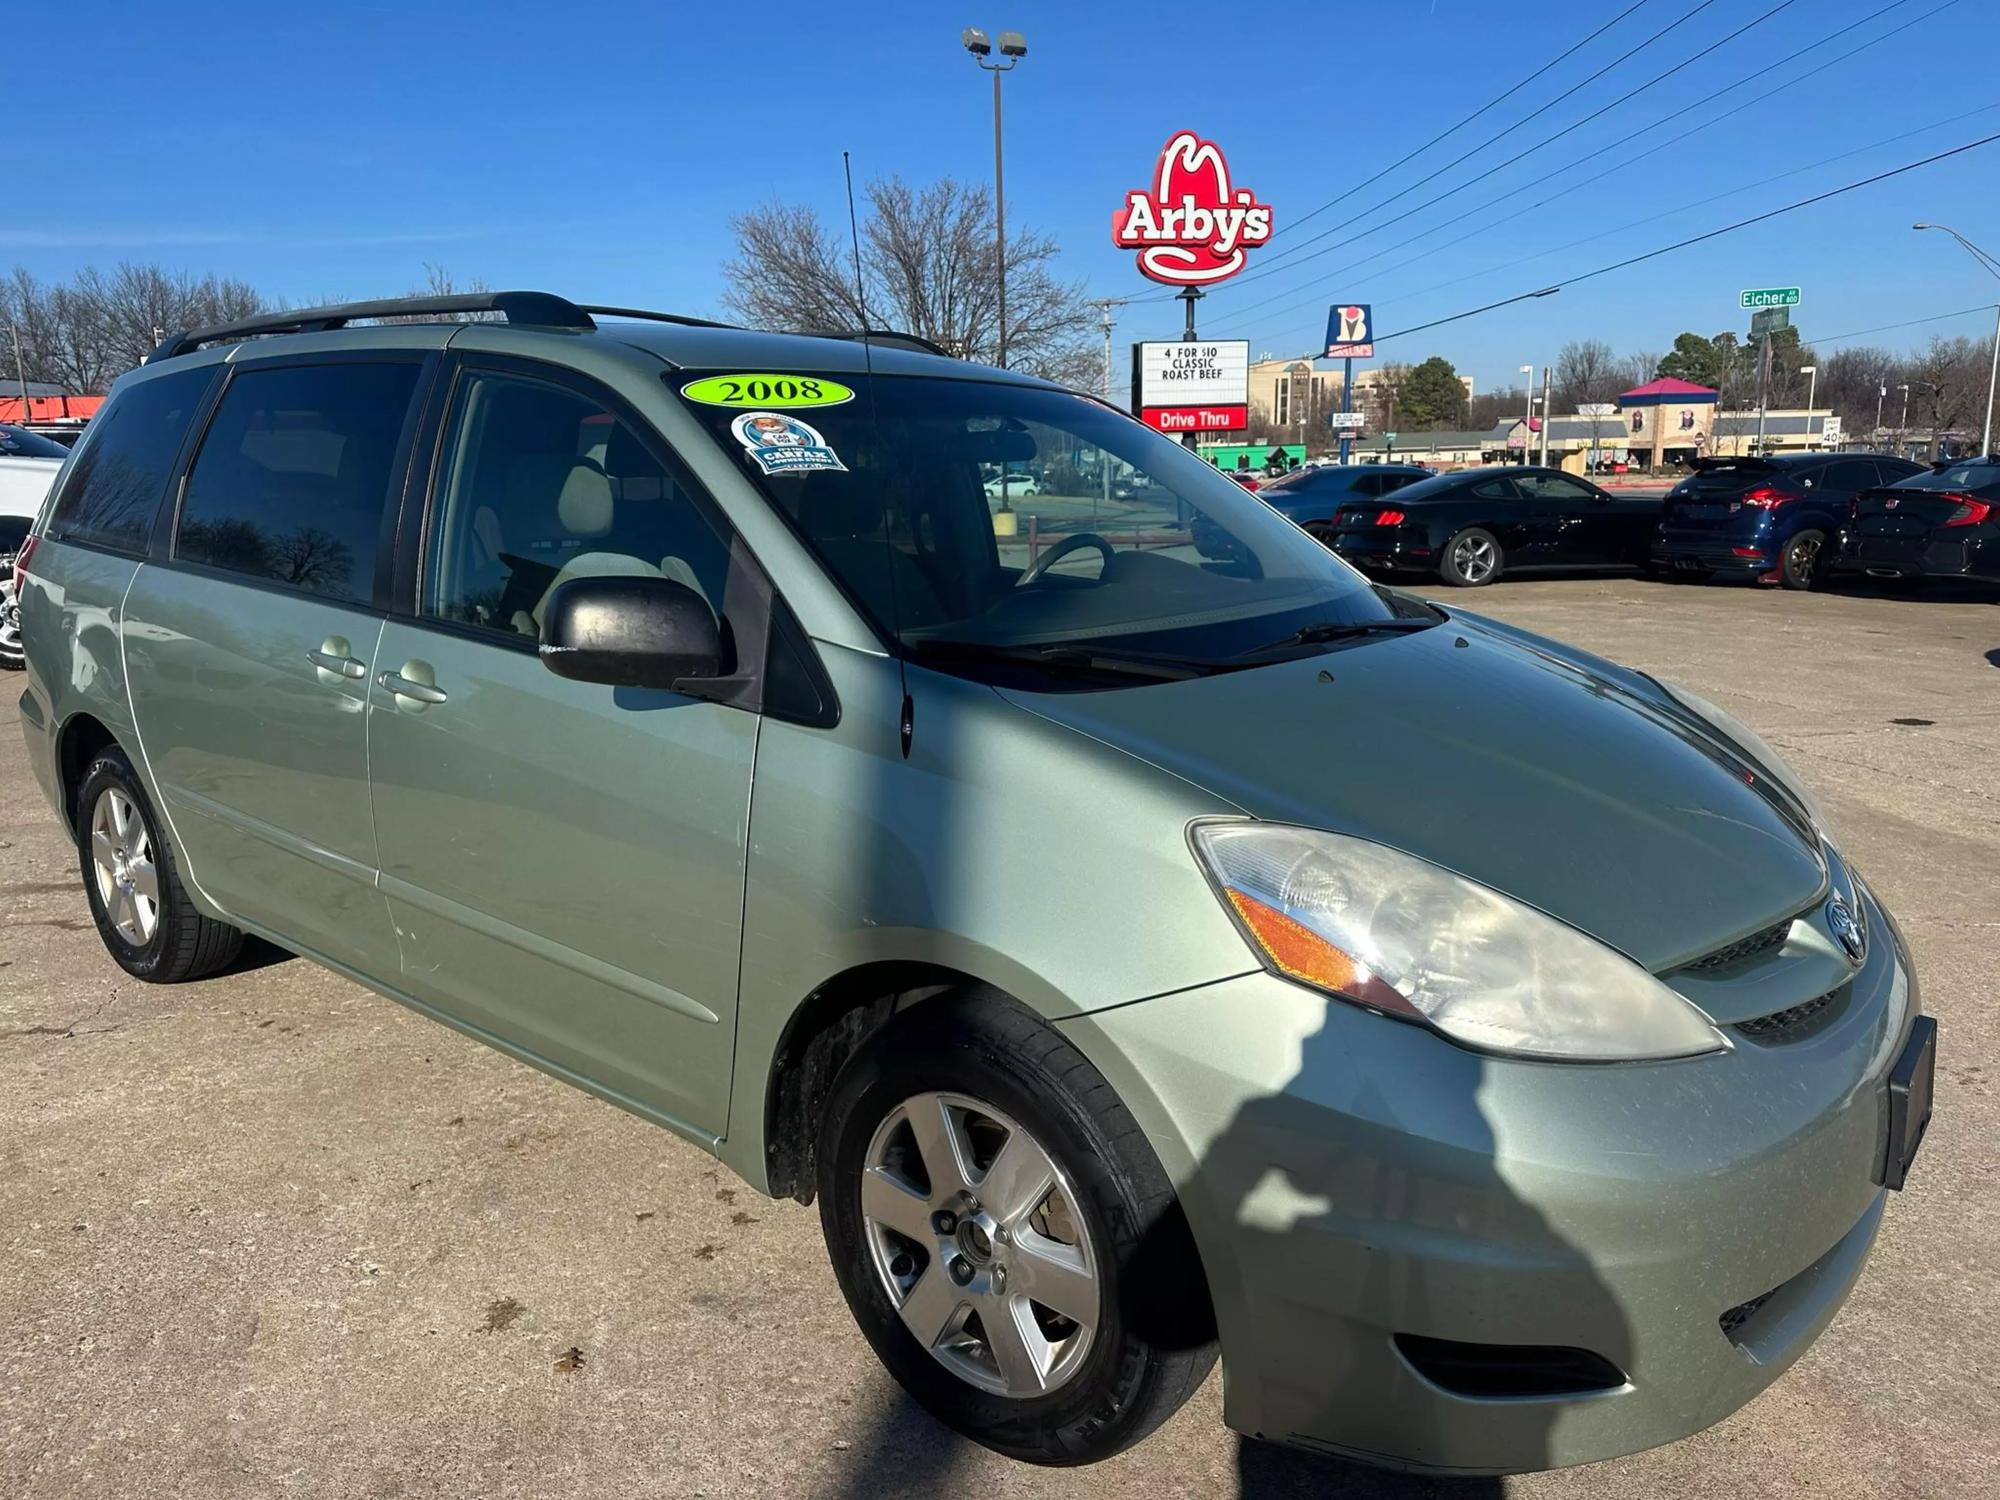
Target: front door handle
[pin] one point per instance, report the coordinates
(337, 662)
(409, 686)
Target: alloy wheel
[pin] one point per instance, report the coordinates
(973, 1234)
(1473, 557)
(128, 881)
(1805, 556)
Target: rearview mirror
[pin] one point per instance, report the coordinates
(630, 632)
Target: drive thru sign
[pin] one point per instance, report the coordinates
(1192, 386)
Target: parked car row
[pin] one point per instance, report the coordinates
(1795, 520)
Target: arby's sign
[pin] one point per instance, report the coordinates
(1192, 227)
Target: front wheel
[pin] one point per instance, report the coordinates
(12, 657)
(1471, 559)
(1006, 1238)
(1801, 559)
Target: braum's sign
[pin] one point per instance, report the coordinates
(1191, 227)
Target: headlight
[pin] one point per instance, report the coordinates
(1394, 933)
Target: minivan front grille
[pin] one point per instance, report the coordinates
(1785, 1025)
(1743, 950)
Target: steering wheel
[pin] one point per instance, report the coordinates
(1062, 549)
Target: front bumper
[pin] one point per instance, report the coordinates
(1350, 1179)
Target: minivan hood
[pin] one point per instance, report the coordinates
(1545, 773)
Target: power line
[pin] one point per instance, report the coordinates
(1696, 239)
(1455, 161)
(1489, 104)
(1841, 338)
(1761, 75)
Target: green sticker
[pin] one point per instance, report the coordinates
(767, 390)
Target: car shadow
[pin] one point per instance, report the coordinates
(1267, 1471)
(255, 954)
(1993, 657)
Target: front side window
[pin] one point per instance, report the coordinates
(543, 484)
(293, 479)
(1849, 474)
(1129, 544)
(114, 490)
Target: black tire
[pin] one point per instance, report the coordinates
(1154, 1340)
(1799, 566)
(183, 943)
(1468, 574)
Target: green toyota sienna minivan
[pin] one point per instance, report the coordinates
(841, 755)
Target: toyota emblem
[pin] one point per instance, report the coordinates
(1840, 921)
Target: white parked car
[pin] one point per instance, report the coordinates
(1017, 486)
(28, 465)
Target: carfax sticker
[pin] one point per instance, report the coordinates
(767, 390)
(783, 445)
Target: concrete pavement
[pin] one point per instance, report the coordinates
(273, 1235)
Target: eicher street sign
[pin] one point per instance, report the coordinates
(1200, 385)
(1772, 296)
(1350, 331)
(1192, 227)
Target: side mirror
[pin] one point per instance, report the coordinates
(630, 632)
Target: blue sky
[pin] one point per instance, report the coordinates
(331, 151)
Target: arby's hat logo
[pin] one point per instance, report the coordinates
(1191, 227)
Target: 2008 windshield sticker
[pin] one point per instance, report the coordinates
(767, 390)
(783, 445)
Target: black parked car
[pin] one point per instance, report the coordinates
(1769, 518)
(1470, 527)
(1310, 497)
(1941, 524)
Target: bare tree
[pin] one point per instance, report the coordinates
(84, 334)
(1855, 382)
(1637, 369)
(927, 267)
(1586, 371)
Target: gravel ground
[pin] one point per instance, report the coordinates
(273, 1235)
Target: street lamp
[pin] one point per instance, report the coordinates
(1013, 49)
(1812, 388)
(1528, 420)
(1993, 373)
(1903, 424)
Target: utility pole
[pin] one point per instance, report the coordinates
(1528, 418)
(1811, 372)
(1881, 395)
(1992, 379)
(1548, 410)
(21, 373)
(1104, 306)
(1763, 387)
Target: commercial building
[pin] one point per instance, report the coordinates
(1286, 393)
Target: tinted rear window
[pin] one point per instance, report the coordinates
(114, 491)
(292, 481)
(1977, 477)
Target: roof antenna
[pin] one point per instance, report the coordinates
(906, 716)
(854, 238)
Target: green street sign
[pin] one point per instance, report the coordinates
(1769, 320)
(1390, 436)
(1772, 296)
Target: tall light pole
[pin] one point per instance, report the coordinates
(1548, 408)
(1881, 395)
(1993, 373)
(1013, 49)
(1528, 420)
(1811, 372)
(1903, 422)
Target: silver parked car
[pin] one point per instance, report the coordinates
(1138, 953)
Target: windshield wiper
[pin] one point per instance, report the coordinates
(1072, 658)
(1322, 631)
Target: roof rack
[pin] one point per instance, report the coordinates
(532, 309)
(654, 317)
(889, 336)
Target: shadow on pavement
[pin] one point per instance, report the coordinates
(1266, 1471)
(901, 1449)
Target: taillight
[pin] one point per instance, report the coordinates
(1389, 518)
(21, 558)
(1766, 498)
(1970, 512)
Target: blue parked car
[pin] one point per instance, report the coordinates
(1765, 517)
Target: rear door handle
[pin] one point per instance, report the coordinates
(411, 689)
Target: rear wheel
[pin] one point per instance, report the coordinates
(142, 910)
(1471, 558)
(1801, 560)
(12, 657)
(1006, 1238)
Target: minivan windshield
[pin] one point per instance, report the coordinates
(977, 522)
